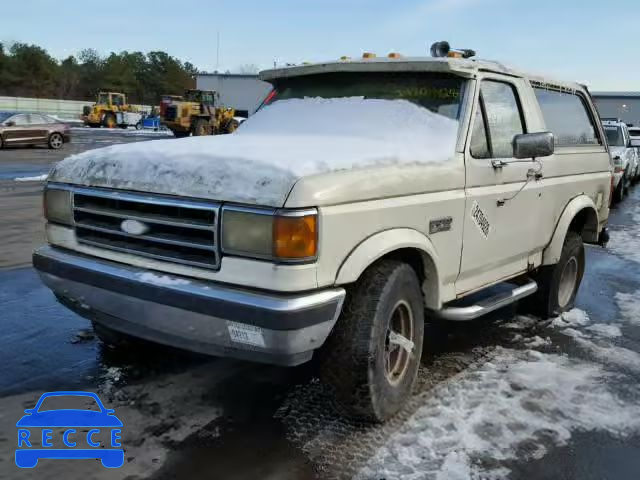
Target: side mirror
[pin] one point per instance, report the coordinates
(634, 142)
(531, 145)
(10, 124)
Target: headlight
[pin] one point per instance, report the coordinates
(57, 205)
(279, 235)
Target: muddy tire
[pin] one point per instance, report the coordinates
(109, 121)
(618, 193)
(232, 126)
(558, 284)
(200, 127)
(372, 356)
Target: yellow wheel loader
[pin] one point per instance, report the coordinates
(197, 113)
(111, 110)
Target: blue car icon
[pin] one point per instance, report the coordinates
(75, 423)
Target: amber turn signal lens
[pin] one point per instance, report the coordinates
(295, 237)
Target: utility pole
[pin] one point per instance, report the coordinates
(218, 52)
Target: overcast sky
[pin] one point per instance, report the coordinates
(591, 41)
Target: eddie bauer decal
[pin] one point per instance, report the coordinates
(479, 218)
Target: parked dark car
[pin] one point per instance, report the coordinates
(32, 129)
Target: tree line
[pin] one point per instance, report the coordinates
(29, 71)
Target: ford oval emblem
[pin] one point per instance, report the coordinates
(134, 227)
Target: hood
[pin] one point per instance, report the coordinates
(271, 151)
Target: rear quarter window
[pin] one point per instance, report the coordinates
(566, 115)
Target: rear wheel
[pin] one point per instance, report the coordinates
(109, 121)
(55, 141)
(558, 284)
(619, 192)
(372, 356)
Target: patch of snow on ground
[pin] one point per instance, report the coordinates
(516, 406)
(596, 340)
(605, 330)
(162, 280)
(629, 305)
(537, 342)
(278, 145)
(39, 178)
(625, 243)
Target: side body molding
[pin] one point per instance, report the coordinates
(382, 243)
(590, 234)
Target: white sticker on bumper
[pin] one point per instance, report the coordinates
(246, 334)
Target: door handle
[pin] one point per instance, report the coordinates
(534, 175)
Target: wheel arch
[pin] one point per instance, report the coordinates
(581, 216)
(405, 244)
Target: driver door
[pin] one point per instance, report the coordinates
(17, 129)
(502, 201)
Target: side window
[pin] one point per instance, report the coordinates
(567, 117)
(498, 120)
(479, 141)
(36, 119)
(21, 120)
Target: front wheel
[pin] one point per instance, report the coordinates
(558, 284)
(372, 356)
(55, 141)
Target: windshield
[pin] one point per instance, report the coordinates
(437, 92)
(5, 115)
(103, 98)
(614, 136)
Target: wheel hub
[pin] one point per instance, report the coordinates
(399, 343)
(568, 280)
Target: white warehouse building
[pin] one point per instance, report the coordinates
(243, 92)
(622, 105)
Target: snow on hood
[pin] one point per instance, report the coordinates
(281, 143)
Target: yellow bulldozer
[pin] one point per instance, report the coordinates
(111, 110)
(197, 113)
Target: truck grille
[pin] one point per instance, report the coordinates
(175, 230)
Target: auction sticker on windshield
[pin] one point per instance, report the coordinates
(69, 425)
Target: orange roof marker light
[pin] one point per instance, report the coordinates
(394, 55)
(368, 55)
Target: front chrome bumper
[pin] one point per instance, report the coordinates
(195, 315)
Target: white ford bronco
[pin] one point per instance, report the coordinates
(364, 197)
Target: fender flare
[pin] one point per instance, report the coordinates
(590, 233)
(388, 241)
